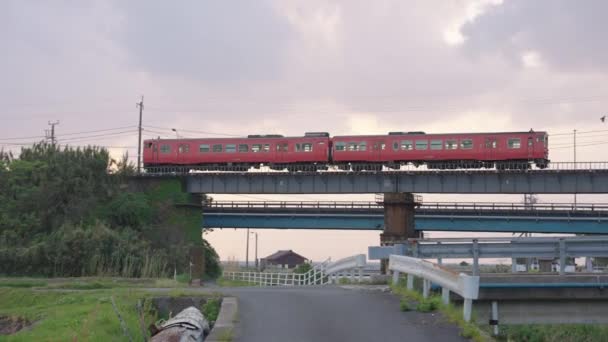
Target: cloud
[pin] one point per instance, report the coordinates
(209, 41)
(570, 34)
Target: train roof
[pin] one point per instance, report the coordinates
(318, 135)
(396, 134)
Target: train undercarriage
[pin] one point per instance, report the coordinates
(360, 166)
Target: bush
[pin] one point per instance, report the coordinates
(303, 268)
(404, 305)
(211, 309)
(429, 304)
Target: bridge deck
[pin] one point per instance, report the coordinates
(483, 217)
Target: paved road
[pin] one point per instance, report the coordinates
(332, 314)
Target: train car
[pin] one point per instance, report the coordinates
(504, 150)
(307, 153)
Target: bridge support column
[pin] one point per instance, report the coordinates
(399, 210)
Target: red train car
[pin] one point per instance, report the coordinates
(310, 152)
(452, 150)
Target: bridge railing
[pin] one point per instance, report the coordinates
(462, 284)
(430, 206)
(530, 247)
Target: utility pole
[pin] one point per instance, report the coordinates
(256, 251)
(141, 110)
(247, 251)
(574, 163)
(52, 137)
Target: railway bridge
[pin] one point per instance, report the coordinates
(428, 216)
(399, 214)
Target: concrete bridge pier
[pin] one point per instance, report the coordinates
(399, 210)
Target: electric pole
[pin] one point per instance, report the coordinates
(574, 163)
(247, 251)
(141, 110)
(52, 135)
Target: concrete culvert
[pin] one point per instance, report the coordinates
(188, 325)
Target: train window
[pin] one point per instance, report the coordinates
(422, 144)
(165, 148)
(217, 148)
(436, 144)
(266, 148)
(396, 145)
(490, 143)
(282, 147)
(148, 145)
(204, 148)
(230, 148)
(243, 148)
(530, 141)
(539, 139)
(451, 144)
(307, 147)
(184, 148)
(340, 146)
(256, 147)
(466, 144)
(363, 146)
(514, 143)
(407, 145)
(352, 146)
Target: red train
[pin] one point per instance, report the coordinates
(318, 151)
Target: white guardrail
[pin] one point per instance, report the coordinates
(321, 274)
(350, 265)
(462, 284)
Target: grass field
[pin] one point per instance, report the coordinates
(81, 309)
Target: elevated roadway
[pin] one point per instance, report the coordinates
(429, 216)
(558, 178)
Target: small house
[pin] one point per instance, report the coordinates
(283, 259)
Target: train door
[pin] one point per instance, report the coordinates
(379, 147)
(490, 146)
(281, 151)
(182, 153)
(530, 147)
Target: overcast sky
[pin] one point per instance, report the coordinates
(263, 66)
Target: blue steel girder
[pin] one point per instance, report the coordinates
(534, 224)
(465, 181)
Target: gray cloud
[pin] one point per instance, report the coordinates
(570, 35)
(209, 41)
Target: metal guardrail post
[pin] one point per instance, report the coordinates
(494, 319)
(410, 281)
(475, 257)
(562, 256)
(445, 295)
(395, 277)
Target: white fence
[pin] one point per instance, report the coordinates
(323, 273)
(464, 285)
(315, 276)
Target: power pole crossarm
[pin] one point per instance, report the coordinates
(141, 110)
(52, 137)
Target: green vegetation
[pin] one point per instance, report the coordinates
(82, 315)
(16, 282)
(404, 305)
(223, 282)
(211, 309)
(303, 268)
(554, 333)
(72, 316)
(73, 212)
(429, 304)
(433, 303)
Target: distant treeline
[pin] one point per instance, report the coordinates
(63, 213)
